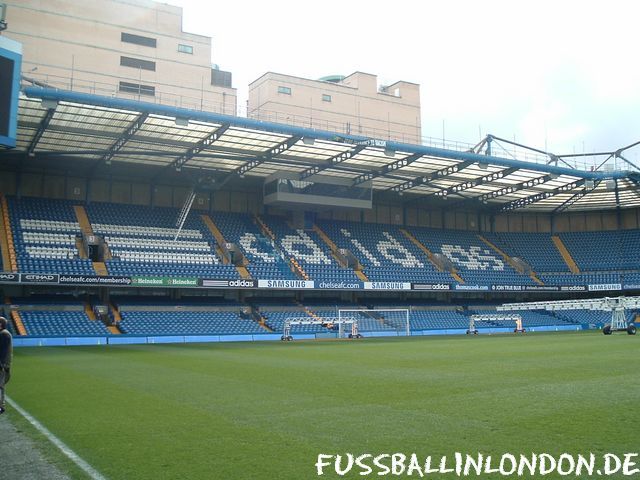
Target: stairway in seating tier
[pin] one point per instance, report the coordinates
(509, 260)
(88, 310)
(9, 262)
(244, 273)
(265, 229)
(457, 277)
(83, 220)
(17, 321)
(116, 313)
(332, 246)
(429, 254)
(114, 329)
(217, 234)
(361, 275)
(100, 268)
(573, 266)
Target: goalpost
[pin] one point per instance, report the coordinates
(379, 319)
(496, 317)
(344, 324)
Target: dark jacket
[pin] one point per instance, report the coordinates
(6, 348)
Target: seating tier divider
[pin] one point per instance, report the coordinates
(566, 255)
(83, 220)
(17, 321)
(510, 260)
(217, 234)
(429, 254)
(9, 262)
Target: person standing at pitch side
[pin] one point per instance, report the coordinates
(6, 352)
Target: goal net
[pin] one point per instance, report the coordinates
(379, 319)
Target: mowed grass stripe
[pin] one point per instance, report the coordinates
(266, 410)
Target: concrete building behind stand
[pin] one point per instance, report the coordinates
(125, 48)
(355, 104)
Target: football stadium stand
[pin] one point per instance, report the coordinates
(60, 322)
(604, 251)
(265, 261)
(186, 322)
(141, 241)
(536, 248)
(475, 261)
(385, 253)
(44, 235)
(310, 252)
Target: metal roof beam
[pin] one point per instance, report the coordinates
(387, 169)
(430, 177)
(477, 148)
(573, 199)
(131, 130)
(505, 190)
(333, 161)
(268, 155)
(44, 123)
(260, 159)
(207, 141)
(490, 177)
(526, 147)
(629, 162)
(523, 202)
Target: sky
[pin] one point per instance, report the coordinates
(560, 75)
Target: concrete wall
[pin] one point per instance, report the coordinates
(76, 45)
(355, 105)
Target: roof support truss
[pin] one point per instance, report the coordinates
(429, 178)
(390, 168)
(210, 139)
(574, 198)
(461, 187)
(131, 130)
(268, 155)
(335, 160)
(44, 123)
(523, 202)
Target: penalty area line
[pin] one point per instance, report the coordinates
(70, 454)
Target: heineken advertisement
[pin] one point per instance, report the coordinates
(163, 282)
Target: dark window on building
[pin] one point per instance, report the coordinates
(137, 63)
(326, 98)
(285, 90)
(138, 39)
(137, 89)
(185, 48)
(220, 78)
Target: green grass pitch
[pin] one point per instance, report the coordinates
(266, 410)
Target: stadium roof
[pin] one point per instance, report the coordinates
(55, 124)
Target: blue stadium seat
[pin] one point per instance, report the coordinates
(141, 241)
(56, 323)
(44, 234)
(265, 260)
(185, 322)
(385, 253)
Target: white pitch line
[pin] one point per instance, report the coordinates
(70, 454)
